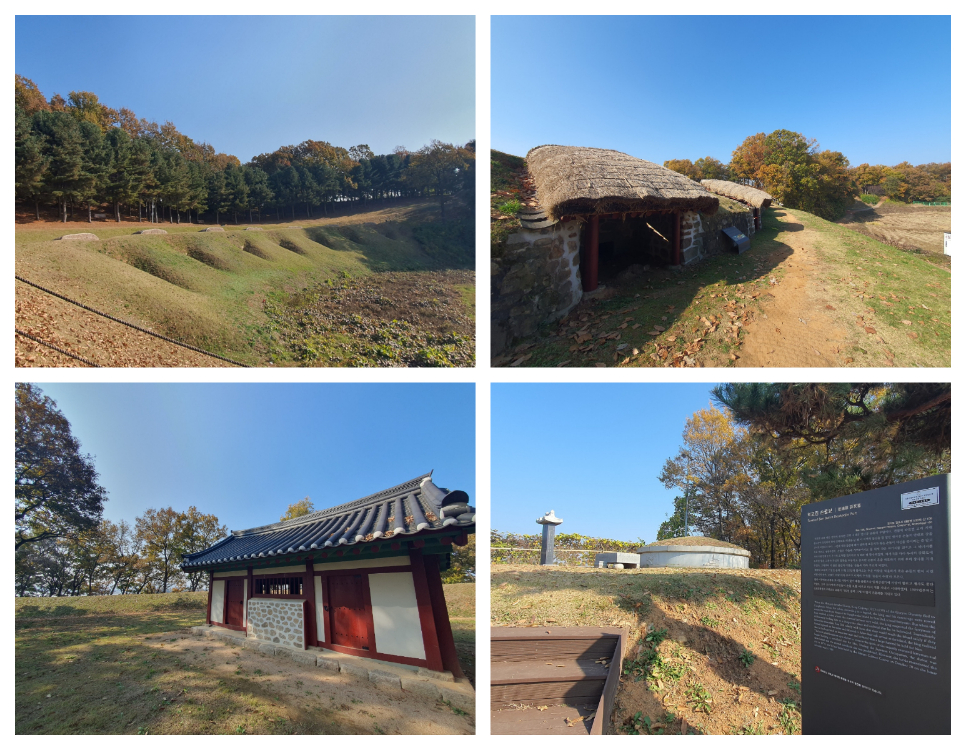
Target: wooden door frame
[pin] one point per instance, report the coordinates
(224, 604)
(373, 652)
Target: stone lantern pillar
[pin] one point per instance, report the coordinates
(549, 523)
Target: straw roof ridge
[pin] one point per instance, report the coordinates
(574, 180)
(751, 196)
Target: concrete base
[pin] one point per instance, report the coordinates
(389, 676)
(623, 559)
(682, 556)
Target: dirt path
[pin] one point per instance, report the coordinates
(797, 326)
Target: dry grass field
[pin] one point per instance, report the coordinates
(904, 226)
(129, 665)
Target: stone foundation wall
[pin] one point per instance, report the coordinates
(534, 280)
(277, 621)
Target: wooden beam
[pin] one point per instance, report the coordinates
(427, 623)
(444, 631)
(676, 241)
(590, 254)
(308, 590)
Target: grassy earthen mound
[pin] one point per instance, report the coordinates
(692, 541)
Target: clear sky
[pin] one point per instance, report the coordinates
(876, 88)
(245, 452)
(248, 85)
(591, 452)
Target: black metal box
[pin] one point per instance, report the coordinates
(738, 239)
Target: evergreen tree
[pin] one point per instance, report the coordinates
(259, 192)
(30, 161)
(65, 177)
(237, 191)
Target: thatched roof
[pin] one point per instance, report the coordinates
(743, 193)
(573, 180)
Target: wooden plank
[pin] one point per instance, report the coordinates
(557, 670)
(547, 692)
(308, 621)
(533, 649)
(602, 723)
(554, 720)
(519, 634)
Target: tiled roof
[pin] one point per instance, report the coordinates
(406, 509)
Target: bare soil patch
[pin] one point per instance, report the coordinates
(904, 226)
(711, 651)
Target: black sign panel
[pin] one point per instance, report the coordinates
(739, 240)
(876, 612)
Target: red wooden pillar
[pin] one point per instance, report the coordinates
(427, 623)
(676, 241)
(589, 273)
(311, 632)
(211, 581)
(447, 646)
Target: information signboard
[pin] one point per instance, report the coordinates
(876, 612)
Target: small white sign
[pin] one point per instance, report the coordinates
(919, 498)
(947, 249)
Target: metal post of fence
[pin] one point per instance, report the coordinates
(549, 523)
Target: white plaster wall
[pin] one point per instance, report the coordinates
(273, 571)
(218, 601)
(382, 562)
(319, 611)
(395, 615)
(232, 573)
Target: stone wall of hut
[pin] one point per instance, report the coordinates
(534, 280)
(701, 235)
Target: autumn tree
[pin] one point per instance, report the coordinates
(296, 510)
(160, 534)
(683, 166)
(56, 493)
(197, 531)
(711, 467)
(462, 563)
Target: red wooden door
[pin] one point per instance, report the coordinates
(235, 602)
(347, 602)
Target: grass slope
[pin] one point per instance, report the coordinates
(210, 288)
(83, 666)
(710, 652)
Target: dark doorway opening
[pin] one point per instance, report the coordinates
(644, 241)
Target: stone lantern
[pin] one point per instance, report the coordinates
(549, 523)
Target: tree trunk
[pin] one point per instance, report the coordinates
(37, 209)
(63, 207)
(90, 219)
(249, 215)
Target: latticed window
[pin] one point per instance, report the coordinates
(287, 586)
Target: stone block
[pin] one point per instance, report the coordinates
(459, 699)
(434, 675)
(422, 688)
(385, 680)
(327, 662)
(199, 629)
(356, 670)
(303, 657)
(625, 559)
(267, 648)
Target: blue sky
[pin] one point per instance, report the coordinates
(248, 85)
(592, 452)
(245, 452)
(876, 88)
